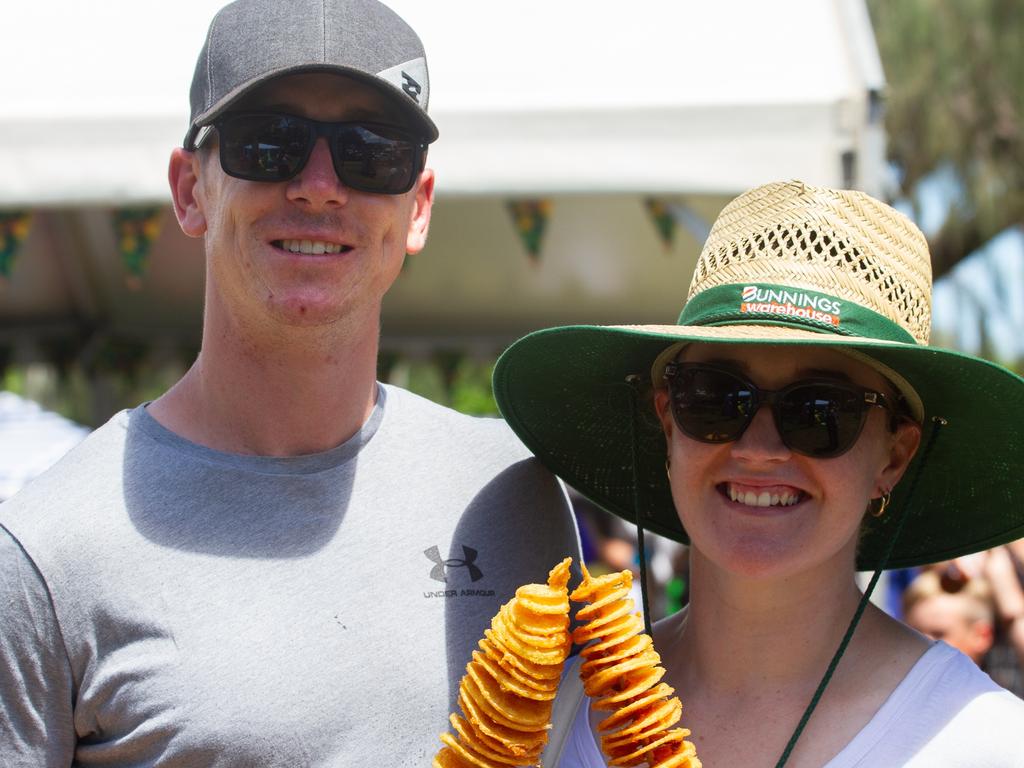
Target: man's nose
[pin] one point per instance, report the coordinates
(317, 185)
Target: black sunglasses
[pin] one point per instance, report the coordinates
(821, 418)
(267, 146)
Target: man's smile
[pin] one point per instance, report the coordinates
(311, 247)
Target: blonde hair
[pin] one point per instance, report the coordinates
(975, 596)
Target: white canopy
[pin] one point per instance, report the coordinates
(594, 106)
(542, 97)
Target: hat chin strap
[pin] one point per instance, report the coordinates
(634, 396)
(937, 423)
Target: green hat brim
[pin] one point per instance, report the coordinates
(565, 392)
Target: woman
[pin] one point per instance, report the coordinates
(794, 428)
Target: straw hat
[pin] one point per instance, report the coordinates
(786, 264)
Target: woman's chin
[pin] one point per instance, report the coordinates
(766, 558)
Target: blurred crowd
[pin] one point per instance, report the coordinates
(973, 603)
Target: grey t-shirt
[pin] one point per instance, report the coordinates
(165, 604)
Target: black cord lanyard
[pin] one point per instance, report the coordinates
(634, 394)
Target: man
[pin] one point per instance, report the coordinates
(278, 562)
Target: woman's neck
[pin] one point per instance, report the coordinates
(745, 633)
(746, 656)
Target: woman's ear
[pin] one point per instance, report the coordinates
(903, 446)
(183, 175)
(661, 406)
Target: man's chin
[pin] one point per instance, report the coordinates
(309, 312)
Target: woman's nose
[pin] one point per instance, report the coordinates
(760, 441)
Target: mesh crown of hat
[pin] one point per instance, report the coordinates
(840, 242)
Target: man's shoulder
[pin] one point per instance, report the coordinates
(415, 411)
(63, 494)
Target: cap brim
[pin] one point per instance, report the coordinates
(567, 393)
(415, 118)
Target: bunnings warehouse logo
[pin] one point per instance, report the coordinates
(790, 303)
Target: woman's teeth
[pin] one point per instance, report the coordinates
(764, 498)
(313, 247)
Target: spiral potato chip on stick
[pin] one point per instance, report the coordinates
(507, 692)
(620, 672)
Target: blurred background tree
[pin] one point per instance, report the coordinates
(955, 101)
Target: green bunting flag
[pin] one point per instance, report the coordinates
(14, 227)
(136, 229)
(663, 219)
(530, 218)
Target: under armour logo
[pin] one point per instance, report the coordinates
(437, 573)
(412, 90)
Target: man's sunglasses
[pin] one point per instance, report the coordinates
(266, 146)
(821, 418)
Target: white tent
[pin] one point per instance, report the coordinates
(594, 106)
(31, 439)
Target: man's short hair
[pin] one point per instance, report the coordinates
(252, 41)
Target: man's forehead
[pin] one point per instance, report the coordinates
(323, 96)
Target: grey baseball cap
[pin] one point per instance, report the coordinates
(253, 41)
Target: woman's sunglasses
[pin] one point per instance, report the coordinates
(821, 418)
(263, 146)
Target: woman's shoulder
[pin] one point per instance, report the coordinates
(946, 711)
(949, 674)
(972, 721)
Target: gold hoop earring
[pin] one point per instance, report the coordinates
(884, 499)
(668, 471)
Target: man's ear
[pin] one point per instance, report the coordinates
(419, 218)
(183, 175)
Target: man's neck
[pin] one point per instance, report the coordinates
(274, 399)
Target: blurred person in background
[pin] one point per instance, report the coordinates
(280, 561)
(609, 545)
(1001, 572)
(1004, 569)
(962, 619)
